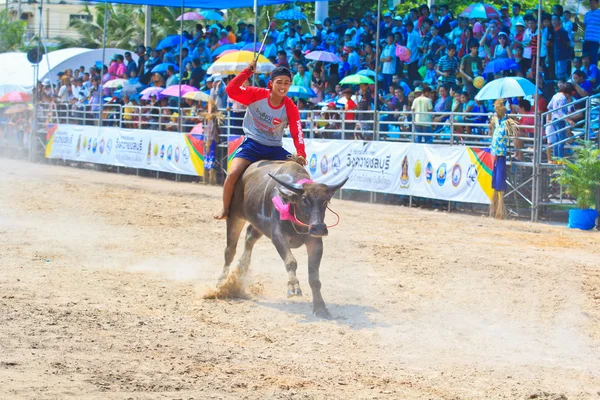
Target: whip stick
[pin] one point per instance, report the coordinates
(262, 44)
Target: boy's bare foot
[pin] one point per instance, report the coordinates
(221, 215)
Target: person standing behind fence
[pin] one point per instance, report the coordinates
(421, 105)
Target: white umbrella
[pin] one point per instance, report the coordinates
(197, 96)
(506, 87)
(115, 83)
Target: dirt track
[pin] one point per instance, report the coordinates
(101, 276)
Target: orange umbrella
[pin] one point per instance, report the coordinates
(15, 97)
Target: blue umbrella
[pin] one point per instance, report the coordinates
(211, 15)
(367, 72)
(499, 65)
(506, 87)
(169, 41)
(162, 68)
(224, 47)
(290, 15)
(301, 92)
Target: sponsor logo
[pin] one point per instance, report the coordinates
(312, 164)
(186, 155)
(177, 154)
(109, 146)
(404, 178)
(101, 146)
(95, 146)
(441, 174)
(276, 121)
(162, 151)
(471, 175)
(155, 150)
(456, 175)
(418, 170)
(89, 144)
(336, 163)
(324, 165)
(169, 153)
(428, 172)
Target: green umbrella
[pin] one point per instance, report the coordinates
(356, 80)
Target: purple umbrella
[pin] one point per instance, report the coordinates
(173, 90)
(191, 16)
(324, 56)
(154, 90)
(253, 47)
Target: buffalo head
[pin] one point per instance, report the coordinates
(310, 202)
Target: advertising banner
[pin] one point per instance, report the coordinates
(455, 173)
(133, 148)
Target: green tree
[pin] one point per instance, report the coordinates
(11, 33)
(125, 28)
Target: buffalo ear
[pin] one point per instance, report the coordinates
(287, 195)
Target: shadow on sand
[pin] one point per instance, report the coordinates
(354, 316)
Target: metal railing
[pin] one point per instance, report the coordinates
(530, 187)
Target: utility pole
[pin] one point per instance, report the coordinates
(148, 26)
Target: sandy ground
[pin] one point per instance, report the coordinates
(101, 277)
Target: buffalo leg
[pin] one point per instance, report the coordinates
(252, 236)
(234, 228)
(314, 248)
(283, 248)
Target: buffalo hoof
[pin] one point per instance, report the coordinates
(323, 313)
(294, 292)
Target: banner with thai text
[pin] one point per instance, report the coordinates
(132, 148)
(455, 173)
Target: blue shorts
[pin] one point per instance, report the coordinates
(253, 151)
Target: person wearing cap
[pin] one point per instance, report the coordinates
(518, 37)
(422, 104)
(516, 18)
(502, 49)
(320, 31)
(223, 37)
(269, 112)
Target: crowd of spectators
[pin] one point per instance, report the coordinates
(448, 53)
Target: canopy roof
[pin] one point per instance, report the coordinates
(205, 4)
(15, 69)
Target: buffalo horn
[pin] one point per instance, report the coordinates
(334, 188)
(291, 186)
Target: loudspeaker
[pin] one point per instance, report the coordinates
(34, 56)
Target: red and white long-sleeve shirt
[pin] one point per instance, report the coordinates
(263, 122)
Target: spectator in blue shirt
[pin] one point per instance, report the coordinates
(591, 27)
(131, 65)
(590, 70)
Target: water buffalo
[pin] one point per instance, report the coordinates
(253, 202)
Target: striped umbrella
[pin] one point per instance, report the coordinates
(480, 11)
(234, 63)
